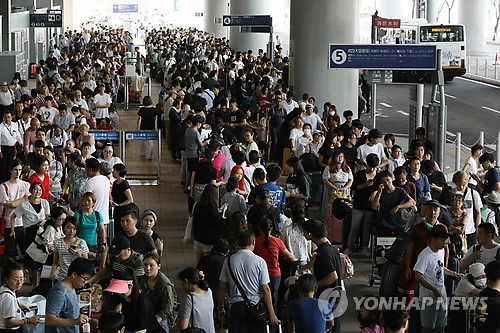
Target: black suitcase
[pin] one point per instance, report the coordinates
(390, 280)
(316, 188)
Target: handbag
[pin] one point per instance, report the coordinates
(192, 329)
(258, 311)
(37, 250)
(337, 195)
(188, 232)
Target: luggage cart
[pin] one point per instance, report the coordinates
(382, 244)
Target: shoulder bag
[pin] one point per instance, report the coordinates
(258, 311)
(192, 329)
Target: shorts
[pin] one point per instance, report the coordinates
(192, 163)
(432, 316)
(197, 246)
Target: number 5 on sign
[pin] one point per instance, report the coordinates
(339, 56)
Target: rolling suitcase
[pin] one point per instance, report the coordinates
(334, 227)
(316, 188)
(390, 280)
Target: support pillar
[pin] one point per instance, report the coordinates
(5, 11)
(248, 41)
(215, 9)
(472, 14)
(309, 50)
(432, 9)
(68, 11)
(390, 9)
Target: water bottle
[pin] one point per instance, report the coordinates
(86, 328)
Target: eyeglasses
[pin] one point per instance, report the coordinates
(85, 278)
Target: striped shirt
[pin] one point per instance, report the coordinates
(65, 257)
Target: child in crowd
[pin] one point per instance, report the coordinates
(307, 314)
(232, 201)
(148, 221)
(369, 320)
(396, 158)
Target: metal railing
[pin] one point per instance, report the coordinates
(488, 67)
(463, 147)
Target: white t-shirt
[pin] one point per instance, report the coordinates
(431, 265)
(365, 150)
(464, 287)
(295, 133)
(488, 255)
(102, 100)
(470, 227)
(250, 147)
(15, 191)
(473, 168)
(48, 114)
(289, 107)
(9, 307)
(100, 186)
(314, 120)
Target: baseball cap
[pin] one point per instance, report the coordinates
(423, 201)
(118, 286)
(120, 242)
(440, 231)
(476, 269)
(318, 132)
(309, 106)
(433, 202)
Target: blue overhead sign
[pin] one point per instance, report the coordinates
(375, 56)
(125, 8)
(246, 20)
(105, 135)
(141, 135)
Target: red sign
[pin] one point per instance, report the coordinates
(381, 22)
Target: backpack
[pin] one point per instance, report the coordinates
(49, 79)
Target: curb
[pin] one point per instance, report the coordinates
(482, 79)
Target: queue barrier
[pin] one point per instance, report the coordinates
(137, 172)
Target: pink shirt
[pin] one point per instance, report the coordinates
(217, 165)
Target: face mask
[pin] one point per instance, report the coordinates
(481, 282)
(332, 113)
(307, 131)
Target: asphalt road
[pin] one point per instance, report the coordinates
(472, 107)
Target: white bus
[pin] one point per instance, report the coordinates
(450, 38)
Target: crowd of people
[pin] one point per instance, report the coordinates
(264, 256)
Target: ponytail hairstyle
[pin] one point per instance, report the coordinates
(192, 275)
(265, 227)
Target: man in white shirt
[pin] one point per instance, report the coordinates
(289, 104)
(313, 119)
(9, 136)
(485, 251)
(6, 96)
(99, 185)
(80, 101)
(48, 112)
(373, 146)
(102, 103)
(89, 83)
(12, 193)
(430, 270)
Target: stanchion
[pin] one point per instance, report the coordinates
(149, 86)
(477, 65)
(458, 150)
(498, 148)
(481, 138)
(486, 67)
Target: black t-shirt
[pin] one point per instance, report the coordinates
(235, 118)
(390, 200)
(118, 191)
(327, 261)
(489, 318)
(141, 242)
(205, 173)
(211, 266)
(175, 121)
(436, 178)
(277, 116)
(138, 314)
(361, 198)
(198, 103)
(327, 153)
(148, 117)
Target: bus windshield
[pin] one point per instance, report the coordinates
(439, 34)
